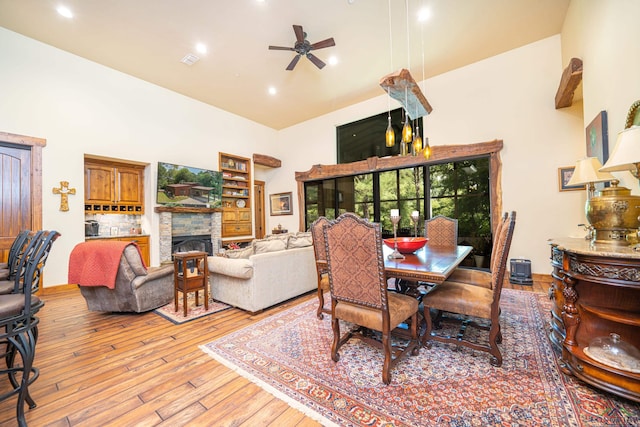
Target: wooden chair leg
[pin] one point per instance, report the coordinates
(335, 325)
(320, 302)
(386, 345)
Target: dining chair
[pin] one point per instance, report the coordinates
(359, 291)
(475, 276)
(19, 324)
(320, 253)
(441, 231)
(473, 302)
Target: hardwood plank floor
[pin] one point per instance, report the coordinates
(101, 369)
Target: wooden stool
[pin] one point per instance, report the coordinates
(191, 274)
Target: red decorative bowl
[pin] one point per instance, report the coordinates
(407, 245)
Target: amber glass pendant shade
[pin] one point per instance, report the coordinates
(417, 145)
(427, 149)
(390, 135)
(407, 132)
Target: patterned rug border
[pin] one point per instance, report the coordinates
(211, 311)
(564, 407)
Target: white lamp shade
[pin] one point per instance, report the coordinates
(626, 153)
(587, 170)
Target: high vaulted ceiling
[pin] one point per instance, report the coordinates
(148, 38)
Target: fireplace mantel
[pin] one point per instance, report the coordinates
(185, 209)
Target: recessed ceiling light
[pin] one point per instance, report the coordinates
(424, 14)
(64, 11)
(201, 48)
(272, 90)
(333, 60)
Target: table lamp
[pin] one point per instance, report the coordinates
(626, 153)
(587, 172)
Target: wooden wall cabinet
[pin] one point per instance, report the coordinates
(111, 187)
(236, 195)
(595, 292)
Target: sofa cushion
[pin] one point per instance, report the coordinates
(268, 245)
(240, 253)
(238, 267)
(300, 240)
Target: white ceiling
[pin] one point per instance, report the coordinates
(148, 38)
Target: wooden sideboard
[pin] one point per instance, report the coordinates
(595, 292)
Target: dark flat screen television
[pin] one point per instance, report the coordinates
(365, 138)
(188, 186)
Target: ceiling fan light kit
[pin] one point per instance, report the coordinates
(303, 47)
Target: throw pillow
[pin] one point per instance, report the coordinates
(244, 253)
(301, 239)
(268, 245)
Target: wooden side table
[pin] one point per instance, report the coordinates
(190, 274)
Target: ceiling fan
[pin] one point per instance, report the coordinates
(303, 47)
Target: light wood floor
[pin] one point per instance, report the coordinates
(101, 369)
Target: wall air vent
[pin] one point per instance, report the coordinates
(190, 59)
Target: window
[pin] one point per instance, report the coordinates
(458, 189)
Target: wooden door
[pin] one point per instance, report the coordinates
(258, 206)
(20, 187)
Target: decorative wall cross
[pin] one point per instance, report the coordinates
(64, 192)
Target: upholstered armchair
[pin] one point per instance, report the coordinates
(136, 288)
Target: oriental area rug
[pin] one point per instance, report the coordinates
(193, 311)
(288, 354)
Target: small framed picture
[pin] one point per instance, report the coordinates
(564, 175)
(280, 204)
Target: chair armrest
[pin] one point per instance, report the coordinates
(471, 276)
(4, 265)
(153, 273)
(4, 274)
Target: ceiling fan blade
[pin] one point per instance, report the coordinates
(299, 33)
(280, 48)
(318, 63)
(293, 62)
(323, 43)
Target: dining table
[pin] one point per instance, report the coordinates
(432, 264)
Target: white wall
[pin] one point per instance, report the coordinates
(81, 107)
(605, 34)
(509, 97)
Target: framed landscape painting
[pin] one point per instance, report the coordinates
(280, 204)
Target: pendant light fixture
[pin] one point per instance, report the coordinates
(426, 148)
(390, 134)
(417, 142)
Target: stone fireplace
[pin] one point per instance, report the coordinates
(193, 224)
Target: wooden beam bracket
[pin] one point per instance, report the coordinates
(571, 78)
(264, 160)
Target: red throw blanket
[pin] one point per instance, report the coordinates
(96, 262)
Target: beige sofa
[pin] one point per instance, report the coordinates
(269, 271)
